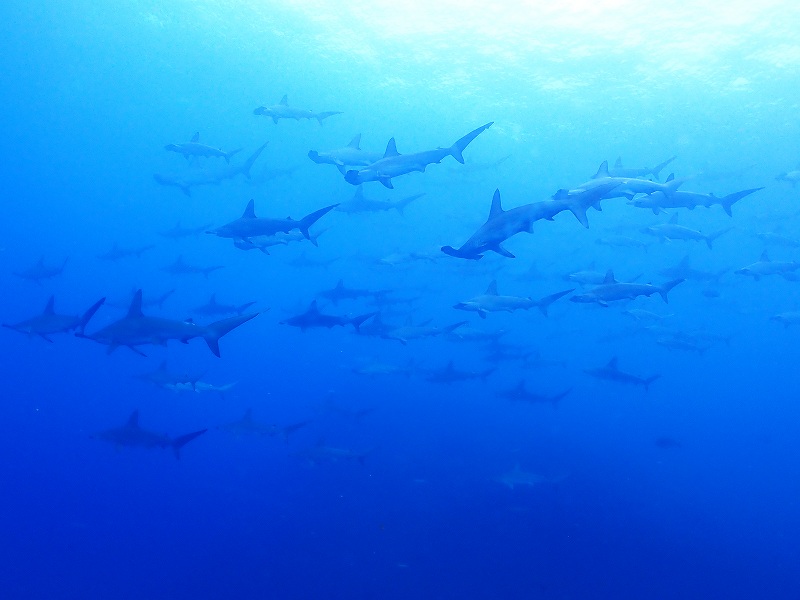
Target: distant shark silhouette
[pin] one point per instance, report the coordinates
(132, 435)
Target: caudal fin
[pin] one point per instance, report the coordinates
(457, 148)
(657, 169)
(728, 201)
(324, 115)
(87, 316)
(181, 441)
(665, 289)
(650, 380)
(219, 328)
(248, 164)
(307, 221)
(228, 155)
(356, 322)
(548, 300)
(713, 236)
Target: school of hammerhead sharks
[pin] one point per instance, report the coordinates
(639, 187)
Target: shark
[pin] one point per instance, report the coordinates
(265, 242)
(350, 156)
(247, 425)
(789, 176)
(637, 172)
(673, 231)
(394, 164)
(312, 317)
(622, 241)
(521, 394)
(116, 253)
(624, 187)
(611, 290)
(678, 342)
(216, 309)
(611, 372)
(657, 201)
(162, 377)
(516, 477)
(449, 374)
(49, 322)
(408, 332)
(40, 271)
(765, 266)
(181, 267)
(147, 301)
(178, 232)
(684, 270)
(136, 329)
(195, 177)
(250, 226)
(321, 453)
(340, 293)
(642, 315)
(491, 301)
(373, 369)
(787, 318)
(194, 148)
(777, 239)
(361, 204)
(504, 224)
(199, 387)
(132, 435)
(282, 110)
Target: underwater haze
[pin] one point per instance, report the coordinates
(513, 312)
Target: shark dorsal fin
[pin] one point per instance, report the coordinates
(49, 309)
(359, 195)
(248, 415)
(618, 163)
(671, 177)
(313, 308)
(391, 149)
(764, 257)
(133, 420)
(213, 299)
(673, 219)
(135, 309)
(250, 210)
(609, 278)
(355, 143)
(612, 364)
(497, 207)
(602, 171)
(284, 101)
(492, 289)
(340, 284)
(195, 137)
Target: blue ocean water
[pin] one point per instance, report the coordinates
(359, 475)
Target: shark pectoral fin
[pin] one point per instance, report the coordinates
(111, 348)
(387, 182)
(502, 251)
(45, 338)
(482, 313)
(275, 120)
(341, 168)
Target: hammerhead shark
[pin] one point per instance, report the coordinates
(314, 318)
(611, 372)
(249, 225)
(491, 301)
(136, 329)
(132, 435)
(195, 148)
(361, 204)
(393, 163)
(187, 180)
(637, 172)
(657, 201)
(611, 290)
(41, 271)
(350, 156)
(249, 426)
(503, 224)
(117, 253)
(282, 110)
(48, 322)
(215, 309)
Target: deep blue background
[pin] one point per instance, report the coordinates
(92, 93)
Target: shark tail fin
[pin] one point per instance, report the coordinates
(728, 201)
(181, 441)
(667, 287)
(248, 164)
(457, 148)
(307, 221)
(657, 169)
(219, 328)
(650, 380)
(359, 320)
(87, 316)
(545, 302)
(244, 307)
(324, 115)
(401, 204)
(228, 155)
(711, 238)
